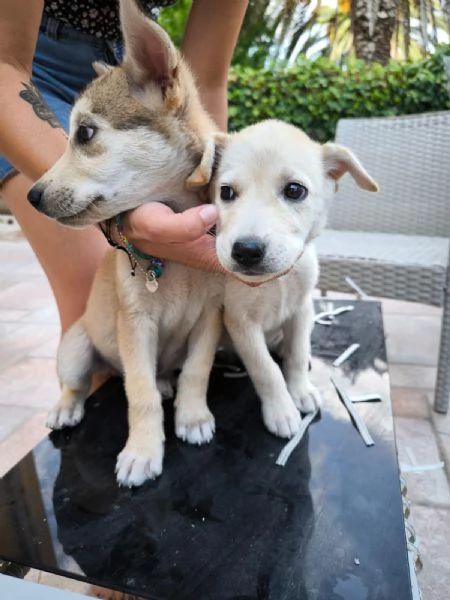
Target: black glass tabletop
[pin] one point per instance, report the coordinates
(224, 521)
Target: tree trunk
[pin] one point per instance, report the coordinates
(373, 25)
(446, 12)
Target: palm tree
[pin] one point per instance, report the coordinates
(373, 25)
(276, 32)
(383, 29)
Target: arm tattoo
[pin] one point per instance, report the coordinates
(41, 109)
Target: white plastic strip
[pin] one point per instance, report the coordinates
(286, 452)
(357, 420)
(421, 468)
(367, 398)
(235, 375)
(345, 355)
(327, 316)
(361, 293)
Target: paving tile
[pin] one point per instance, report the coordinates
(63, 583)
(32, 382)
(431, 487)
(22, 440)
(407, 402)
(7, 329)
(399, 307)
(11, 315)
(33, 575)
(28, 294)
(7, 282)
(23, 340)
(412, 376)
(432, 526)
(48, 314)
(441, 422)
(412, 340)
(444, 444)
(11, 417)
(46, 350)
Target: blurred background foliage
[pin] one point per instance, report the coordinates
(311, 62)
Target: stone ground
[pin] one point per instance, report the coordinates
(29, 334)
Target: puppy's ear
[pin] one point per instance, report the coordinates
(150, 55)
(204, 172)
(339, 160)
(101, 68)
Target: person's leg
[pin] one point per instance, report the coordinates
(69, 257)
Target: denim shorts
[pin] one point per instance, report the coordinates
(62, 67)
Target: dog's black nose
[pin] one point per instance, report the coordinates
(248, 252)
(35, 195)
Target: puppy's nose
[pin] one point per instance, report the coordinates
(35, 195)
(248, 252)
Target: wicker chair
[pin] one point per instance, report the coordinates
(396, 244)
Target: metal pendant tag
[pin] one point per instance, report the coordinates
(152, 283)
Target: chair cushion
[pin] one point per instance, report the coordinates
(384, 247)
(387, 265)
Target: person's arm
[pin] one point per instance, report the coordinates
(30, 136)
(211, 33)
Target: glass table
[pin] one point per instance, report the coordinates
(224, 521)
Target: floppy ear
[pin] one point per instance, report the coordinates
(150, 55)
(204, 172)
(339, 160)
(101, 68)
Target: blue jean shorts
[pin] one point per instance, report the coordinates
(62, 67)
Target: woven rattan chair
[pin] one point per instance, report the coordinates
(396, 244)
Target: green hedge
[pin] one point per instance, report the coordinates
(314, 95)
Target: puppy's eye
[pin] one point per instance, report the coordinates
(85, 133)
(227, 193)
(295, 191)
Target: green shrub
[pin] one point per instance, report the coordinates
(314, 94)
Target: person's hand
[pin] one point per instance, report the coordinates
(155, 229)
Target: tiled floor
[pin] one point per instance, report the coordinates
(29, 336)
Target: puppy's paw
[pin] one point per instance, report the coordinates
(196, 427)
(165, 388)
(63, 415)
(305, 395)
(282, 418)
(133, 468)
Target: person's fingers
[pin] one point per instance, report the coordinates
(157, 223)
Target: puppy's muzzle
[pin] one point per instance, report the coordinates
(35, 196)
(248, 252)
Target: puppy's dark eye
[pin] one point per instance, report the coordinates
(227, 193)
(295, 191)
(85, 133)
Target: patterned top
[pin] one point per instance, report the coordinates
(99, 18)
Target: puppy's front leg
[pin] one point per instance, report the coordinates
(297, 350)
(194, 422)
(279, 412)
(75, 365)
(142, 455)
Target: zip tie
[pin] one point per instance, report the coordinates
(355, 286)
(357, 420)
(230, 367)
(346, 354)
(327, 316)
(235, 375)
(367, 398)
(286, 452)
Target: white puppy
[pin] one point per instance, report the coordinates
(272, 188)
